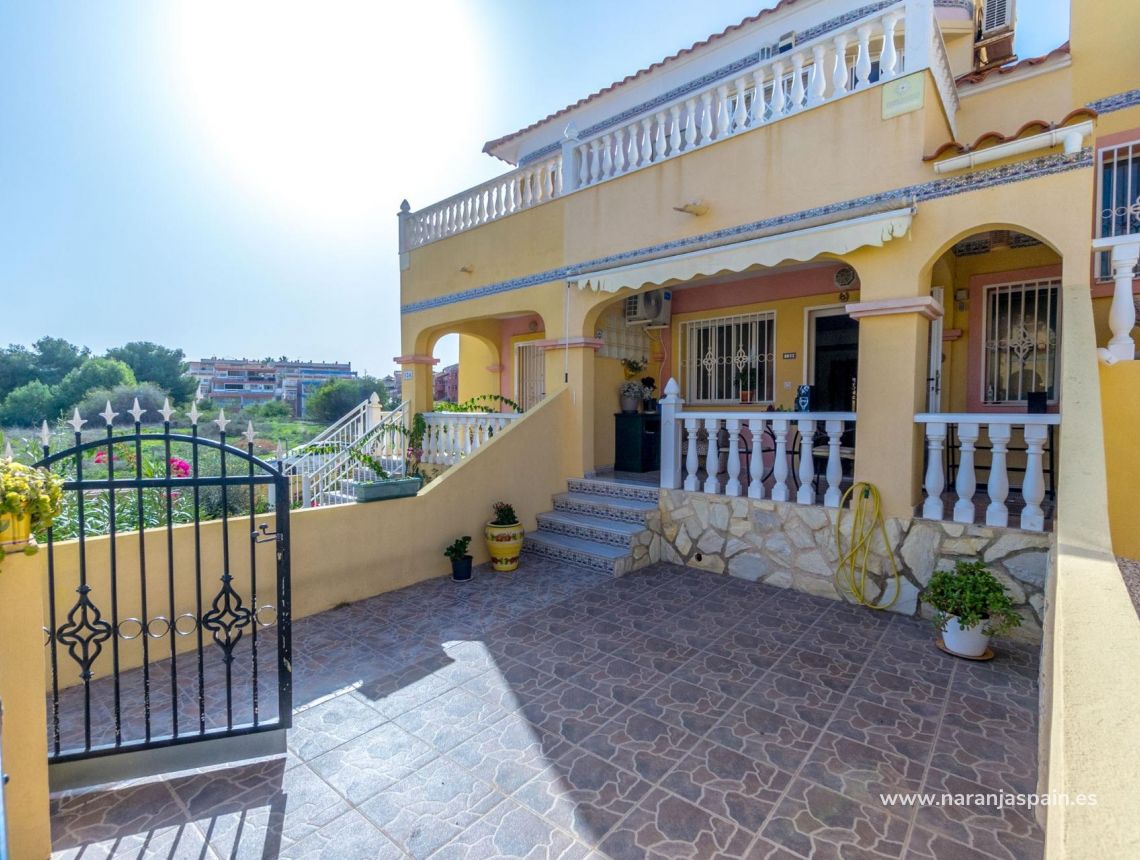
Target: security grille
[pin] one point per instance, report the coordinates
(530, 375)
(716, 351)
(1021, 341)
(1119, 196)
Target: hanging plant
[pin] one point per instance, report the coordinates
(30, 500)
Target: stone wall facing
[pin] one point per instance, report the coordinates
(793, 546)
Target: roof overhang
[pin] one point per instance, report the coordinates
(789, 245)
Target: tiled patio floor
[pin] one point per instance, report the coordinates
(556, 713)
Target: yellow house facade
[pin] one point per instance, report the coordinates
(877, 201)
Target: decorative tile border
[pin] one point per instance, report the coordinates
(615, 490)
(932, 190)
(689, 87)
(1120, 101)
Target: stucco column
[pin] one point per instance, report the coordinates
(571, 363)
(894, 336)
(417, 388)
(22, 693)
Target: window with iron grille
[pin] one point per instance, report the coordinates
(1021, 341)
(716, 353)
(1118, 198)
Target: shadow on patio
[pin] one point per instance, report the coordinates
(559, 713)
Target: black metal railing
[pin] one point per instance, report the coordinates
(172, 637)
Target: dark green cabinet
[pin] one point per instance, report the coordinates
(637, 441)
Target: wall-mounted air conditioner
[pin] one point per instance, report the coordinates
(997, 16)
(651, 309)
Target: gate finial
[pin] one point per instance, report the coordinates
(77, 421)
(109, 415)
(221, 420)
(249, 434)
(166, 412)
(194, 414)
(137, 412)
(45, 434)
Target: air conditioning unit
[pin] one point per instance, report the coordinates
(993, 45)
(996, 16)
(651, 309)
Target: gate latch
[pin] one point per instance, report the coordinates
(263, 535)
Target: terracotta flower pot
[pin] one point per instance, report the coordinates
(15, 531)
(504, 544)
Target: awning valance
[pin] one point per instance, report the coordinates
(840, 237)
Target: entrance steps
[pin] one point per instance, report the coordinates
(596, 524)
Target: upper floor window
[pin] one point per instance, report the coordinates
(723, 357)
(1020, 341)
(1118, 197)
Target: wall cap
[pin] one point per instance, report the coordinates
(925, 306)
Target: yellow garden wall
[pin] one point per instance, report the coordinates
(1120, 406)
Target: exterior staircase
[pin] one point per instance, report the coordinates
(600, 525)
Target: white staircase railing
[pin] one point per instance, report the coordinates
(451, 436)
(323, 471)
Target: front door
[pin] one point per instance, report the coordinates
(834, 352)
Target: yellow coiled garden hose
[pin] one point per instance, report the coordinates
(853, 560)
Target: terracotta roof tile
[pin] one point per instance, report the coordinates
(993, 138)
(978, 77)
(763, 13)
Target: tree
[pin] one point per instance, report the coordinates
(92, 374)
(122, 398)
(165, 367)
(28, 405)
(337, 396)
(55, 358)
(271, 409)
(16, 368)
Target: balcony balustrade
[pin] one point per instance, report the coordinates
(452, 436)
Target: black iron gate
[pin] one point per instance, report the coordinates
(158, 629)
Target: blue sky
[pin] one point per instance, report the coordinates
(224, 177)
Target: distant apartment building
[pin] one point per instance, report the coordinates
(446, 384)
(394, 386)
(240, 382)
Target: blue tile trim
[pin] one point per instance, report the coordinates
(967, 5)
(932, 190)
(704, 81)
(1120, 101)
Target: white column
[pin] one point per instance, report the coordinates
(690, 125)
(935, 483)
(1033, 490)
(839, 73)
(712, 455)
(758, 109)
(740, 117)
(647, 141)
(659, 136)
(723, 120)
(756, 460)
(607, 156)
(570, 173)
(583, 165)
(1122, 314)
(634, 146)
(997, 514)
(732, 487)
(797, 82)
(619, 152)
(888, 59)
(818, 75)
(806, 493)
(834, 463)
(706, 117)
(595, 160)
(780, 463)
(967, 482)
(692, 458)
(778, 101)
(670, 405)
(674, 129)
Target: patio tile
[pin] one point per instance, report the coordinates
(998, 682)
(509, 753)
(656, 652)
(583, 794)
(766, 736)
(795, 699)
(601, 634)
(832, 672)
(665, 826)
(930, 845)
(763, 649)
(561, 658)
(451, 718)
(405, 689)
(726, 783)
(372, 762)
(349, 837)
(1005, 762)
(1009, 833)
(852, 641)
(427, 809)
(641, 744)
(702, 632)
(558, 618)
(511, 684)
(886, 728)
(816, 822)
(719, 674)
(993, 720)
(684, 704)
(891, 690)
(318, 729)
(861, 772)
(919, 659)
(618, 679)
(570, 712)
(129, 820)
(512, 831)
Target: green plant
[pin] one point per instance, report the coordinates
(747, 377)
(632, 388)
(478, 403)
(458, 548)
(29, 491)
(633, 366)
(972, 594)
(649, 384)
(504, 515)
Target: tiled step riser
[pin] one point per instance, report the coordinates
(597, 535)
(611, 490)
(600, 509)
(616, 566)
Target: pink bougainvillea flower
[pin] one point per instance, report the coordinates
(179, 468)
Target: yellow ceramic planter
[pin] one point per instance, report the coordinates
(504, 544)
(15, 531)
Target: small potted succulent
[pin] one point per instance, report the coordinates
(504, 535)
(971, 605)
(747, 379)
(632, 393)
(649, 385)
(460, 558)
(30, 500)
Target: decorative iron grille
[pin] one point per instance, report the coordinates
(159, 630)
(720, 354)
(1021, 341)
(1118, 197)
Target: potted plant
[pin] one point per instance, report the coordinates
(504, 536)
(29, 501)
(631, 393)
(386, 485)
(633, 366)
(971, 606)
(746, 379)
(460, 559)
(649, 385)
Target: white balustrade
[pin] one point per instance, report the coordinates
(451, 437)
(755, 453)
(998, 429)
(900, 39)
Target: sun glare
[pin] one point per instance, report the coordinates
(320, 110)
